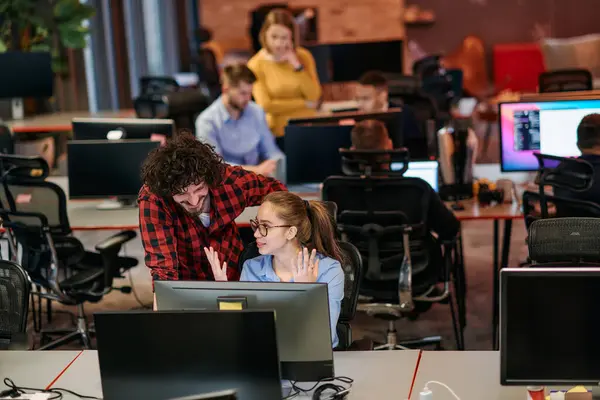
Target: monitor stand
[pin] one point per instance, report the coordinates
(118, 204)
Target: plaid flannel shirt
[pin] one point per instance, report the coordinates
(174, 241)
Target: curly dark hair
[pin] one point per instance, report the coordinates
(181, 162)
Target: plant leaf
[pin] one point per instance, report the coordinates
(40, 47)
(2, 46)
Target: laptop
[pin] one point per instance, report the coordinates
(426, 170)
(161, 355)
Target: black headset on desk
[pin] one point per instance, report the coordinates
(326, 389)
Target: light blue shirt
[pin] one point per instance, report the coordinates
(243, 141)
(260, 269)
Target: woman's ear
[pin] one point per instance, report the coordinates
(291, 233)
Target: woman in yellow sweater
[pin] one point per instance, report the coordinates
(287, 84)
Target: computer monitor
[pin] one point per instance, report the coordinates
(548, 127)
(349, 61)
(549, 326)
(121, 128)
(103, 169)
(393, 120)
(302, 311)
(312, 152)
(26, 74)
(159, 355)
(426, 170)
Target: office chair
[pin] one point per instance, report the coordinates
(404, 262)
(14, 305)
(35, 210)
(565, 80)
(158, 85)
(7, 142)
(562, 230)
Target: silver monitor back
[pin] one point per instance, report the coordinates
(302, 317)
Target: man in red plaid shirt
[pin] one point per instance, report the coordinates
(189, 201)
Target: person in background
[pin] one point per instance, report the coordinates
(372, 135)
(296, 240)
(372, 96)
(588, 141)
(190, 199)
(236, 126)
(287, 83)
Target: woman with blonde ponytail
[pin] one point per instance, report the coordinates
(296, 240)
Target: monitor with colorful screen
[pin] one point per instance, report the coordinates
(548, 127)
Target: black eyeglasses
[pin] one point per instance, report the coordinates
(264, 229)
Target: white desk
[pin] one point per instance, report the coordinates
(376, 375)
(84, 214)
(472, 375)
(32, 368)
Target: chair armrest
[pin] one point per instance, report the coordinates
(5, 217)
(115, 242)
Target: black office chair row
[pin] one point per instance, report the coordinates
(562, 230)
(34, 213)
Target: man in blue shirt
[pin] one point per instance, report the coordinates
(236, 126)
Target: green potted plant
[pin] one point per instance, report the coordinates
(44, 25)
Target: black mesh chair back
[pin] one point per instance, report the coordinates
(373, 216)
(565, 241)
(14, 301)
(564, 175)
(158, 85)
(42, 197)
(566, 80)
(7, 142)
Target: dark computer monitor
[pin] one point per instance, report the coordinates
(345, 62)
(547, 127)
(104, 169)
(160, 355)
(549, 326)
(393, 120)
(312, 152)
(26, 74)
(121, 128)
(302, 310)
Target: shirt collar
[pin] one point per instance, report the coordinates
(223, 111)
(266, 269)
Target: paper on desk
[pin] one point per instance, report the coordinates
(30, 396)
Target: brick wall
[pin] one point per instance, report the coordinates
(339, 20)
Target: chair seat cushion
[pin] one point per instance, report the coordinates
(93, 259)
(82, 280)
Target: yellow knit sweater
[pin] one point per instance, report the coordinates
(283, 92)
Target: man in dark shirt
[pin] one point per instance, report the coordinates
(588, 141)
(372, 96)
(190, 200)
(373, 135)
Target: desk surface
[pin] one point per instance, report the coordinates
(376, 374)
(33, 369)
(60, 122)
(84, 214)
(472, 375)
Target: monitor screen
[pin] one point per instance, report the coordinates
(549, 323)
(26, 74)
(392, 118)
(548, 127)
(124, 128)
(302, 309)
(426, 170)
(307, 163)
(100, 169)
(158, 355)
